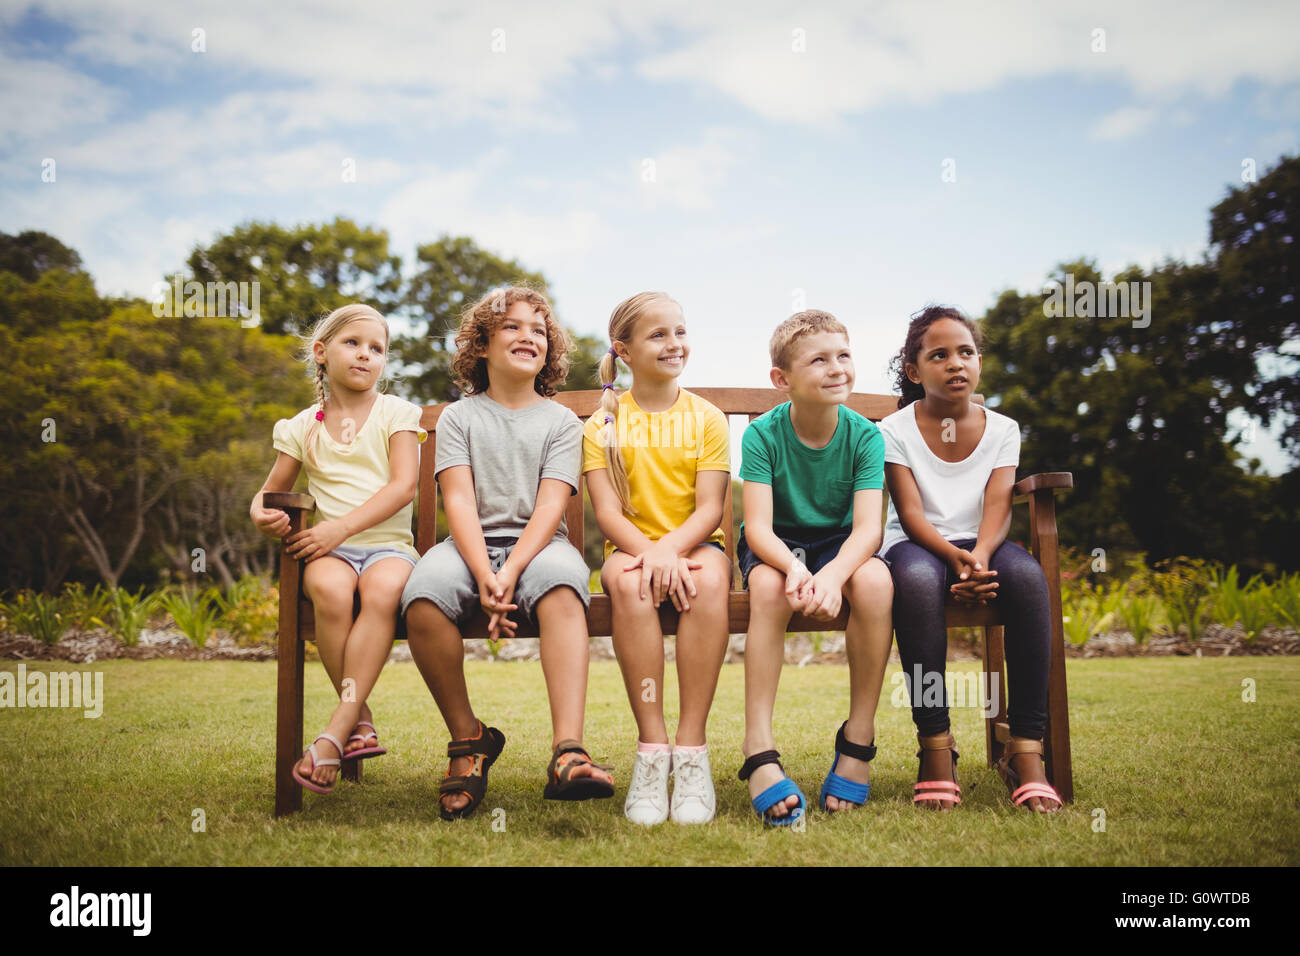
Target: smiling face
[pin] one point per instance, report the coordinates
(658, 347)
(517, 348)
(354, 359)
(821, 370)
(948, 364)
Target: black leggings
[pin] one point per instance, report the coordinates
(921, 582)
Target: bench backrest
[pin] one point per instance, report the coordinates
(750, 402)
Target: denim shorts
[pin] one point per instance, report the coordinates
(361, 558)
(817, 550)
(443, 577)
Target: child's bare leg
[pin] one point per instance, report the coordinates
(769, 613)
(368, 644)
(638, 646)
(439, 652)
(702, 644)
(562, 624)
(330, 583)
(870, 592)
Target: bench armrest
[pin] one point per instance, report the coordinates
(1040, 482)
(289, 502)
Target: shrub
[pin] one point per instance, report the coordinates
(36, 615)
(195, 612)
(250, 610)
(130, 613)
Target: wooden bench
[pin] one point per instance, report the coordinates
(297, 618)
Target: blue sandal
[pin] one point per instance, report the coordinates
(839, 787)
(774, 794)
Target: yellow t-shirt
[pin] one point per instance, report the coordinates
(663, 452)
(344, 477)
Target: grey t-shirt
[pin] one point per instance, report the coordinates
(509, 451)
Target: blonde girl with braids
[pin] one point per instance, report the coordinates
(359, 449)
(657, 461)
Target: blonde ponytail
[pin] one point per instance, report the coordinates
(609, 406)
(324, 332)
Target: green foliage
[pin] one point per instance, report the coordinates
(84, 609)
(1286, 600)
(1247, 605)
(1184, 586)
(195, 612)
(36, 615)
(304, 271)
(250, 610)
(1085, 616)
(1142, 614)
(30, 254)
(130, 613)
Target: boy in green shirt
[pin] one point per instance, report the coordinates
(813, 473)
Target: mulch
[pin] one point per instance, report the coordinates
(86, 647)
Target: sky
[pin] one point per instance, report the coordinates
(751, 159)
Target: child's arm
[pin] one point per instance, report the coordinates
(322, 538)
(756, 498)
(461, 506)
(857, 549)
(273, 522)
(664, 569)
(994, 525)
(613, 524)
(552, 495)
(911, 515)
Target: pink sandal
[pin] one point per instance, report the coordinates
(372, 751)
(317, 761)
(938, 791)
(1021, 792)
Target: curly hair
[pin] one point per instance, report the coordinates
(484, 317)
(909, 391)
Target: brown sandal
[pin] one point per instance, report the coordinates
(562, 785)
(1022, 793)
(483, 750)
(938, 791)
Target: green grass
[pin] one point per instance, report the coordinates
(1186, 772)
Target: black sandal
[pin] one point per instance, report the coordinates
(562, 785)
(484, 750)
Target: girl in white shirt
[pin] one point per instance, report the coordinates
(950, 465)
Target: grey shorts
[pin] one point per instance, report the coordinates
(443, 577)
(362, 558)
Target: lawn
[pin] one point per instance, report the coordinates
(1184, 771)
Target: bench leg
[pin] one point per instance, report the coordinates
(994, 677)
(288, 723)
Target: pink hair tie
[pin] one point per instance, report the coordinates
(320, 416)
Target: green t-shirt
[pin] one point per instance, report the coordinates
(812, 488)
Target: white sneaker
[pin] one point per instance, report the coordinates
(647, 795)
(693, 798)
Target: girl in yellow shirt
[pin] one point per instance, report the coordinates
(657, 461)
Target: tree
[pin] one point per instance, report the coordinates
(1138, 414)
(305, 271)
(454, 274)
(31, 254)
(1255, 231)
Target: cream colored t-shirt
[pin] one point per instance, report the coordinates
(663, 452)
(345, 476)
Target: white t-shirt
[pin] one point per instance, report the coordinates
(951, 491)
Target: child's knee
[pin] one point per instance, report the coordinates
(767, 588)
(871, 584)
(624, 588)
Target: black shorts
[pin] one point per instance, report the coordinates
(814, 552)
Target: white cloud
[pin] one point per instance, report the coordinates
(1123, 123)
